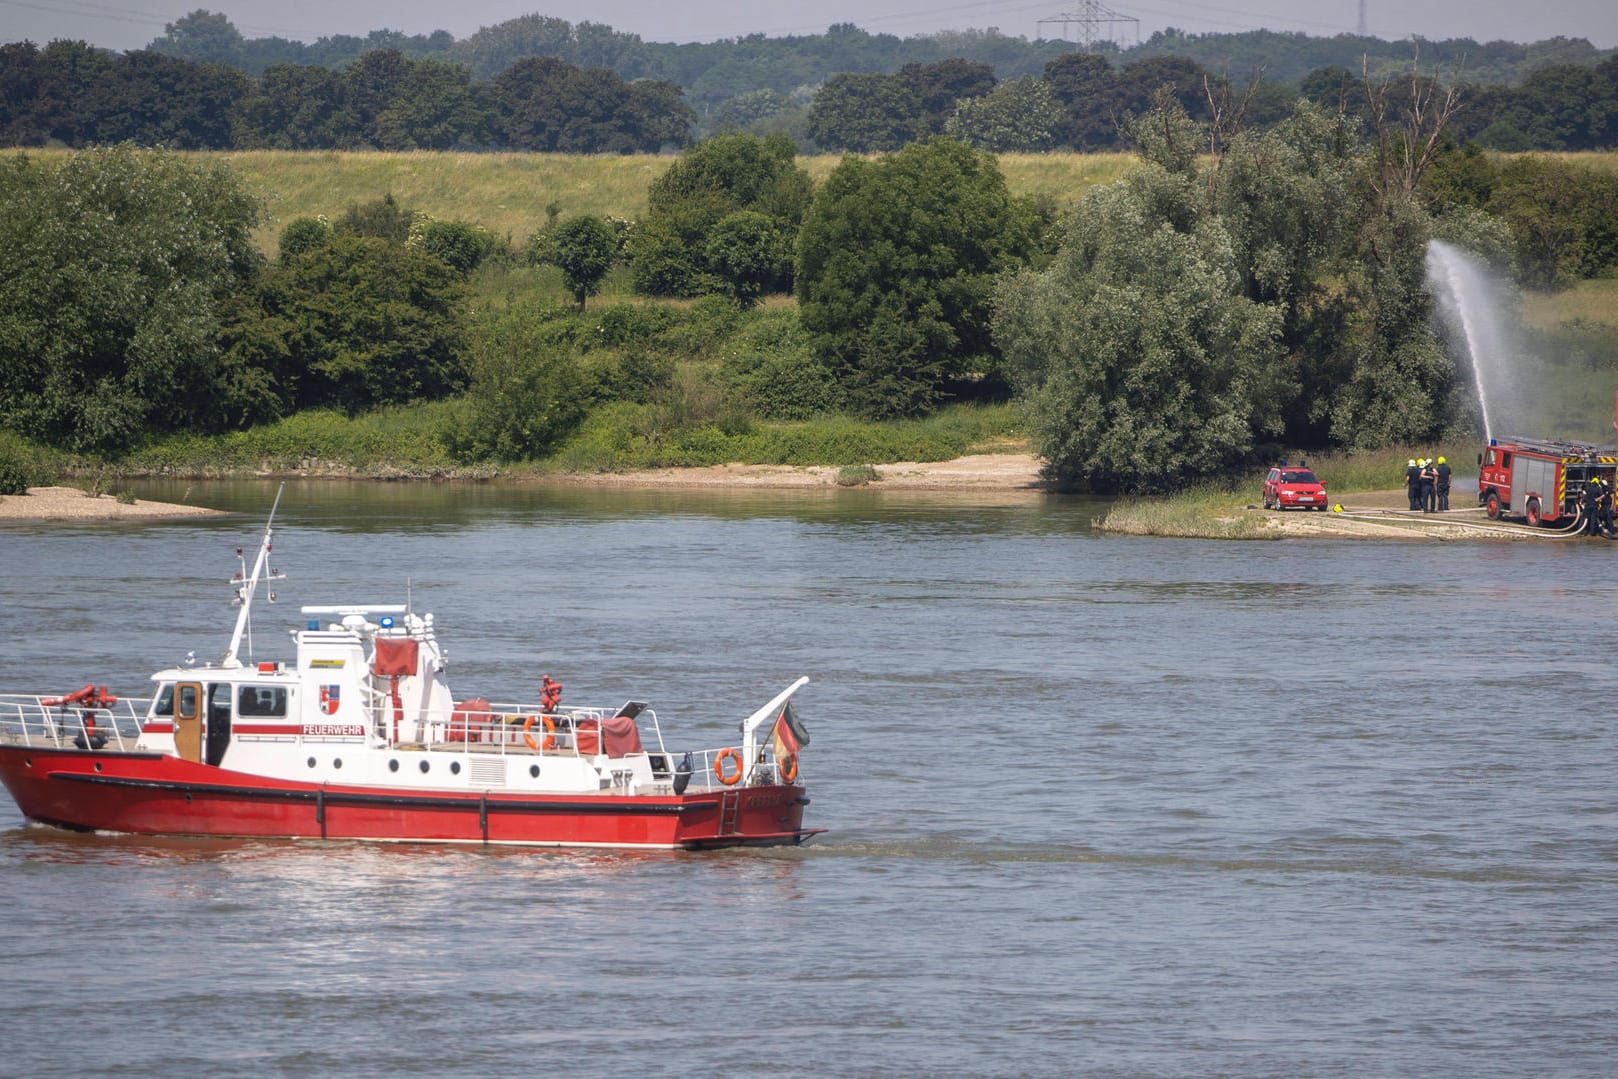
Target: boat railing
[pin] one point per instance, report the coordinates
(706, 773)
(576, 732)
(30, 720)
(484, 726)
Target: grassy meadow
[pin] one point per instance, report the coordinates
(508, 193)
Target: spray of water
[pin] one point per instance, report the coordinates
(1474, 307)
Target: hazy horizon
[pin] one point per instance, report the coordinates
(133, 24)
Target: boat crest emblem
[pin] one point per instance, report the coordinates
(328, 699)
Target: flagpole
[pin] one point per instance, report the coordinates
(751, 724)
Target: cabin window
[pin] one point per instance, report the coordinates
(188, 706)
(1505, 460)
(164, 706)
(261, 701)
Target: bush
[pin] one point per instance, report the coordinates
(303, 234)
(771, 364)
(13, 476)
(526, 393)
(462, 246)
(625, 323)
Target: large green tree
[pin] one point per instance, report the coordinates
(364, 322)
(1019, 116)
(671, 251)
(866, 114)
(118, 265)
(1137, 356)
(896, 261)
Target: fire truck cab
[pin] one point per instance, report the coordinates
(1540, 481)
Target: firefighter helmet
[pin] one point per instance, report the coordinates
(1441, 460)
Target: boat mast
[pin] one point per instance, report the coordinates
(245, 589)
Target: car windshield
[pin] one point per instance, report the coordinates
(1298, 475)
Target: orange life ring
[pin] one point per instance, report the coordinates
(787, 768)
(550, 736)
(729, 779)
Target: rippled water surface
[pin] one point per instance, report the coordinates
(1097, 806)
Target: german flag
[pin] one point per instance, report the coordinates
(788, 735)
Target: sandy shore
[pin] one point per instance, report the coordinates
(1366, 515)
(978, 472)
(72, 504)
(975, 475)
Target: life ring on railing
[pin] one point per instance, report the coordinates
(728, 778)
(787, 767)
(550, 733)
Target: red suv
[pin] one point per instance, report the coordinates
(1293, 487)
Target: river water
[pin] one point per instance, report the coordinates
(1097, 805)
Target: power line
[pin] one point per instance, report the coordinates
(1091, 19)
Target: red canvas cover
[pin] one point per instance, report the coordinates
(621, 735)
(395, 657)
(469, 719)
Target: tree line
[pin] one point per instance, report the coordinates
(542, 84)
(717, 71)
(72, 94)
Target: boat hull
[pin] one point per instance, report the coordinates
(159, 794)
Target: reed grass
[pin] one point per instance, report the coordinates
(1213, 511)
(857, 475)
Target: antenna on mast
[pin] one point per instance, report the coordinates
(246, 586)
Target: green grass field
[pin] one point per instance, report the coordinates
(508, 193)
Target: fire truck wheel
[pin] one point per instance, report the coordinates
(1533, 511)
(1492, 505)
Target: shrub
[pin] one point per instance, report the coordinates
(462, 246)
(771, 364)
(623, 323)
(526, 394)
(303, 234)
(14, 476)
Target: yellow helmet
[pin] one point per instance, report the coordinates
(1440, 460)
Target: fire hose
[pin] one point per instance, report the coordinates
(1514, 531)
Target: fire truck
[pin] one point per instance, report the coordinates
(1541, 481)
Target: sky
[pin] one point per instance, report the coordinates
(131, 24)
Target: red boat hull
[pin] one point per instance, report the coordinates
(157, 794)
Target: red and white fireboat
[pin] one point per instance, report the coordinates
(361, 738)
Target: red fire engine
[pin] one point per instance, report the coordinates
(1540, 480)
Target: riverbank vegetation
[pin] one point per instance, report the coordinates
(1171, 318)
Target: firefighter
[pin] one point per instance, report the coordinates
(1413, 482)
(1604, 507)
(1429, 484)
(1596, 503)
(1443, 471)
